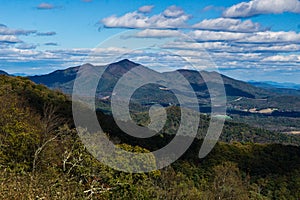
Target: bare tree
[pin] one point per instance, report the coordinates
(51, 121)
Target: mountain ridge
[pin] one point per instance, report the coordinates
(241, 95)
(286, 85)
(3, 72)
(246, 103)
(58, 77)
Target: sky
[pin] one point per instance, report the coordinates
(247, 40)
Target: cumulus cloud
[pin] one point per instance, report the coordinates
(233, 47)
(45, 6)
(46, 33)
(157, 33)
(14, 54)
(26, 46)
(283, 58)
(212, 46)
(200, 35)
(9, 39)
(173, 11)
(273, 37)
(270, 38)
(227, 24)
(172, 17)
(257, 7)
(146, 9)
(277, 48)
(4, 30)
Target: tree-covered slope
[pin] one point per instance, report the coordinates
(42, 157)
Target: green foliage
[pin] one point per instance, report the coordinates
(228, 183)
(19, 133)
(66, 170)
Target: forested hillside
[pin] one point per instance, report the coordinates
(42, 157)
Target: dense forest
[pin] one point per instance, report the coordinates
(42, 157)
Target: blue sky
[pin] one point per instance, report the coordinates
(247, 40)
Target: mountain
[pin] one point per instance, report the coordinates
(20, 74)
(63, 79)
(3, 72)
(272, 84)
(14, 74)
(280, 88)
(57, 79)
(257, 106)
(240, 95)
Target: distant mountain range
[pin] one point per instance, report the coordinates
(272, 84)
(14, 74)
(64, 79)
(280, 88)
(246, 102)
(240, 95)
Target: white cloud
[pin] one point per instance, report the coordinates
(157, 33)
(14, 54)
(257, 7)
(203, 46)
(226, 24)
(95, 56)
(146, 9)
(26, 46)
(270, 38)
(233, 47)
(278, 48)
(9, 39)
(283, 58)
(200, 35)
(172, 17)
(229, 47)
(173, 11)
(4, 30)
(129, 20)
(273, 37)
(45, 6)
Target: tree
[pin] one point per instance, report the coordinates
(51, 122)
(228, 183)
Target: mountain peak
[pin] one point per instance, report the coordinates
(121, 66)
(87, 64)
(125, 62)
